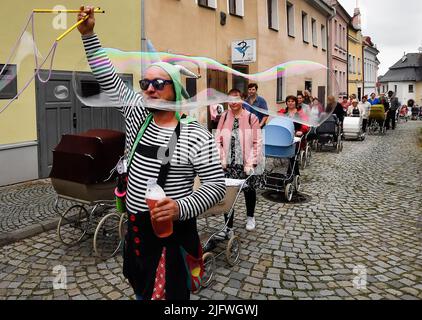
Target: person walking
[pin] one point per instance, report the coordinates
(239, 142)
(254, 100)
(160, 268)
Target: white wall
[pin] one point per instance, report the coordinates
(403, 90)
(24, 169)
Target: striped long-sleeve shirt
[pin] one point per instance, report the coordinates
(195, 152)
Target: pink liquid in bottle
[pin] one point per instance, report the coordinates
(154, 194)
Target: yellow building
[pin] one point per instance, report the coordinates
(33, 124)
(277, 31)
(355, 57)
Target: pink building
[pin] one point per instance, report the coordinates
(337, 58)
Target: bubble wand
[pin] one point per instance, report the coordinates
(51, 52)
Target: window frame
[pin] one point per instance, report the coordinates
(413, 88)
(209, 4)
(272, 14)
(239, 8)
(280, 89)
(314, 33)
(305, 27)
(323, 37)
(290, 20)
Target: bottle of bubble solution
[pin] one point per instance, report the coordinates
(120, 195)
(153, 194)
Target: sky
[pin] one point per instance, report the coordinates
(395, 26)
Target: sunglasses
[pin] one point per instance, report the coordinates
(158, 84)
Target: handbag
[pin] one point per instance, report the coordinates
(194, 268)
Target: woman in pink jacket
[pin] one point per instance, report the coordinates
(239, 142)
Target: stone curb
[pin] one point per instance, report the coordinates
(29, 231)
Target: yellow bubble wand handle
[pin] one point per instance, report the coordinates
(96, 10)
(72, 28)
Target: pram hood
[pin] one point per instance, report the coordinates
(87, 157)
(279, 132)
(279, 138)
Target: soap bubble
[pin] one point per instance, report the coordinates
(204, 85)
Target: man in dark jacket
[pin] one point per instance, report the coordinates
(391, 115)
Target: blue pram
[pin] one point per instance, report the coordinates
(282, 151)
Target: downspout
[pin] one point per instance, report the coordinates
(144, 47)
(348, 63)
(329, 52)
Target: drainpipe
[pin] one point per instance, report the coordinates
(144, 47)
(329, 52)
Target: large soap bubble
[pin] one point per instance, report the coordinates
(207, 83)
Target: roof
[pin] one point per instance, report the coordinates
(339, 9)
(322, 6)
(408, 68)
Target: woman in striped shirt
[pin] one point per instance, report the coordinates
(159, 268)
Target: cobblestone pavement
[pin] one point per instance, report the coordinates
(357, 235)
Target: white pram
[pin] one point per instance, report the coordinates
(209, 234)
(352, 128)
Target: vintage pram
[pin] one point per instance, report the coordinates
(282, 150)
(209, 234)
(376, 119)
(352, 128)
(305, 154)
(81, 173)
(329, 134)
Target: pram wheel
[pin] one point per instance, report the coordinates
(73, 225)
(288, 192)
(107, 236)
(209, 267)
(302, 160)
(123, 226)
(297, 183)
(308, 155)
(233, 250)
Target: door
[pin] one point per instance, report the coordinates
(216, 80)
(321, 95)
(60, 112)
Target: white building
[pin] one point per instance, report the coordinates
(370, 65)
(405, 78)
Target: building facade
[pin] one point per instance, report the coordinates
(338, 54)
(355, 56)
(283, 31)
(405, 78)
(370, 66)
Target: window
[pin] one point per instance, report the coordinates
(335, 32)
(207, 3)
(236, 7)
(305, 33)
(290, 19)
(238, 82)
(354, 64)
(191, 87)
(359, 66)
(9, 76)
(395, 88)
(280, 88)
(314, 33)
(323, 38)
(350, 63)
(410, 88)
(272, 6)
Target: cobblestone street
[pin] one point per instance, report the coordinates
(356, 235)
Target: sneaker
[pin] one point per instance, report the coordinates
(225, 234)
(250, 224)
